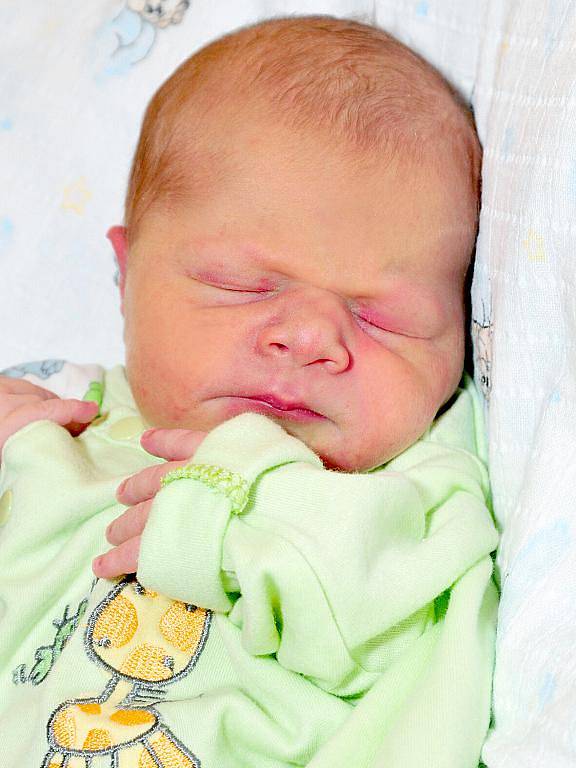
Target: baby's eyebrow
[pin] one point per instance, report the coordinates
(222, 254)
(217, 248)
(217, 275)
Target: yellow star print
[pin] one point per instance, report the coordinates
(76, 195)
(534, 245)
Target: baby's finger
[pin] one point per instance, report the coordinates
(14, 386)
(172, 444)
(118, 561)
(130, 524)
(11, 402)
(61, 412)
(145, 484)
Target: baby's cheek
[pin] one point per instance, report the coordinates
(380, 434)
(172, 405)
(178, 414)
(150, 391)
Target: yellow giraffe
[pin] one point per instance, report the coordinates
(121, 726)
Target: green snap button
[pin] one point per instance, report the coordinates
(5, 506)
(126, 429)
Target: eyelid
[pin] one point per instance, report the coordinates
(223, 287)
(240, 290)
(389, 330)
(359, 313)
(373, 325)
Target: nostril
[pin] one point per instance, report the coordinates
(280, 347)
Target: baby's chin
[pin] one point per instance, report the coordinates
(348, 463)
(339, 448)
(356, 453)
(349, 455)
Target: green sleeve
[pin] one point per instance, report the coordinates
(182, 549)
(334, 573)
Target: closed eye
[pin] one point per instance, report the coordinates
(363, 321)
(248, 293)
(236, 290)
(240, 290)
(225, 287)
(379, 329)
(213, 280)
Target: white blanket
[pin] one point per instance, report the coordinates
(75, 78)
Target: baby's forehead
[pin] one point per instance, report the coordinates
(358, 84)
(256, 171)
(347, 254)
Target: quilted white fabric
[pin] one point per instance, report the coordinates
(525, 96)
(74, 80)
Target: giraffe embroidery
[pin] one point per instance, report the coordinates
(145, 642)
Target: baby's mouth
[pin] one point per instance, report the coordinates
(274, 406)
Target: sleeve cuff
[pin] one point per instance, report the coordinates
(181, 545)
(250, 444)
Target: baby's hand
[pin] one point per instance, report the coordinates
(138, 491)
(22, 402)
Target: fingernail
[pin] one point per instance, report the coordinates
(107, 532)
(96, 563)
(148, 433)
(121, 488)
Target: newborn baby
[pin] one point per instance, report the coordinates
(308, 524)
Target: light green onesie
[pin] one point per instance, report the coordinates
(314, 618)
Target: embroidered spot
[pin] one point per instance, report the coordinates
(231, 484)
(132, 717)
(64, 728)
(145, 761)
(143, 592)
(147, 662)
(168, 753)
(97, 738)
(181, 627)
(91, 708)
(117, 624)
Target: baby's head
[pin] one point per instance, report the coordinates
(300, 219)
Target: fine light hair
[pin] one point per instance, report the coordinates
(351, 82)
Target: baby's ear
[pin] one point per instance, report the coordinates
(117, 236)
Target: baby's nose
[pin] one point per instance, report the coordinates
(307, 330)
